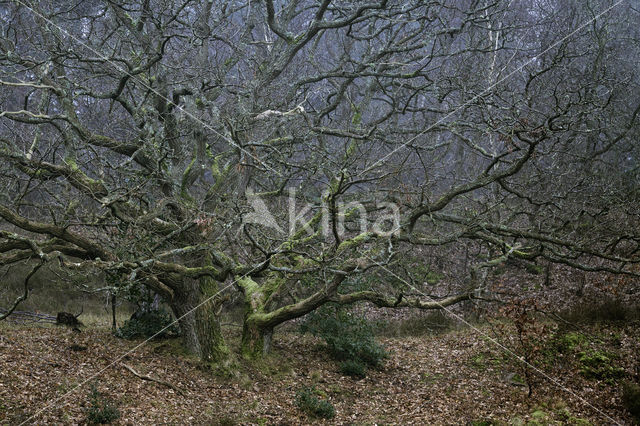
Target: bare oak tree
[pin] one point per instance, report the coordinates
(165, 143)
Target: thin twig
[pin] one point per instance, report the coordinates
(152, 379)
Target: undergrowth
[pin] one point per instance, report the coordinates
(157, 323)
(631, 399)
(350, 339)
(307, 400)
(101, 410)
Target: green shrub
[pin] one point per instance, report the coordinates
(599, 365)
(308, 402)
(532, 268)
(631, 399)
(349, 337)
(101, 410)
(148, 324)
(353, 368)
(433, 277)
(570, 341)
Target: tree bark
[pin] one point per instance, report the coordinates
(258, 325)
(256, 340)
(114, 324)
(196, 309)
(254, 345)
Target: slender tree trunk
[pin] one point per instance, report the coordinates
(547, 274)
(114, 324)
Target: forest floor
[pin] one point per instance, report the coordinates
(457, 377)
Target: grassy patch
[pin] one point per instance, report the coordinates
(433, 277)
(273, 366)
(429, 378)
(532, 268)
(101, 409)
(478, 361)
(599, 365)
(571, 341)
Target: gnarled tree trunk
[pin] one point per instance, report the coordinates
(256, 340)
(259, 322)
(199, 324)
(256, 332)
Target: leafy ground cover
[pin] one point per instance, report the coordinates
(459, 377)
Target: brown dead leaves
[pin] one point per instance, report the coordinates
(448, 379)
